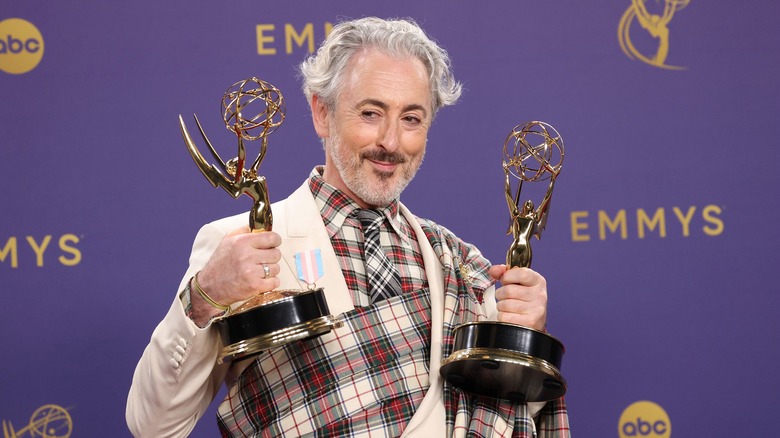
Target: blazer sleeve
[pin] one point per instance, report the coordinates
(177, 376)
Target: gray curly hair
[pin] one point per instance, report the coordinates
(323, 72)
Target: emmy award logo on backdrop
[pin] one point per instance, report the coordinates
(656, 25)
(503, 360)
(48, 421)
(276, 317)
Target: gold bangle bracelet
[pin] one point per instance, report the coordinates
(205, 296)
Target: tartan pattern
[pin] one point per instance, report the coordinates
(470, 415)
(383, 279)
(344, 229)
(553, 420)
(250, 404)
(366, 378)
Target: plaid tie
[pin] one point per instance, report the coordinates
(383, 279)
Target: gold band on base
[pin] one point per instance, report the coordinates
(248, 347)
(505, 356)
(504, 374)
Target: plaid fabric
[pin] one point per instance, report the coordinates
(364, 379)
(470, 415)
(374, 373)
(383, 279)
(344, 229)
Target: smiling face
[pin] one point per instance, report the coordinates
(375, 135)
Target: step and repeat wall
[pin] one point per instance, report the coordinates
(661, 244)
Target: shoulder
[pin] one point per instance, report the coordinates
(439, 234)
(469, 258)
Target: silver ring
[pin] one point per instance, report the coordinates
(266, 271)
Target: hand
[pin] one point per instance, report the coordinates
(235, 271)
(522, 297)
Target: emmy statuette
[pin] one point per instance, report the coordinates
(277, 317)
(503, 360)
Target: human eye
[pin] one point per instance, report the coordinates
(412, 119)
(369, 113)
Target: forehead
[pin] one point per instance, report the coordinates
(401, 80)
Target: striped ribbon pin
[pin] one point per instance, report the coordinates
(309, 266)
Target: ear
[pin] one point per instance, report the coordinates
(319, 116)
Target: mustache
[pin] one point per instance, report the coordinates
(384, 156)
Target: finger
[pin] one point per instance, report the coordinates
(269, 270)
(261, 285)
(271, 255)
(522, 276)
(521, 293)
(264, 239)
(525, 319)
(496, 271)
(527, 313)
(521, 306)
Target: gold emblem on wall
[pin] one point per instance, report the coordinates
(48, 421)
(656, 25)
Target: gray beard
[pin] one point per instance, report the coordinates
(359, 180)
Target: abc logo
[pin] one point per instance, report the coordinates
(644, 419)
(21, 46)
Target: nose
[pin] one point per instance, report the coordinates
(389, 138)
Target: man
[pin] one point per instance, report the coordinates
(374, 87)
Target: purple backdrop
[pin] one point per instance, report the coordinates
(659, 252)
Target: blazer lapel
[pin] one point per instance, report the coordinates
(430, 418)
(301, 228)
